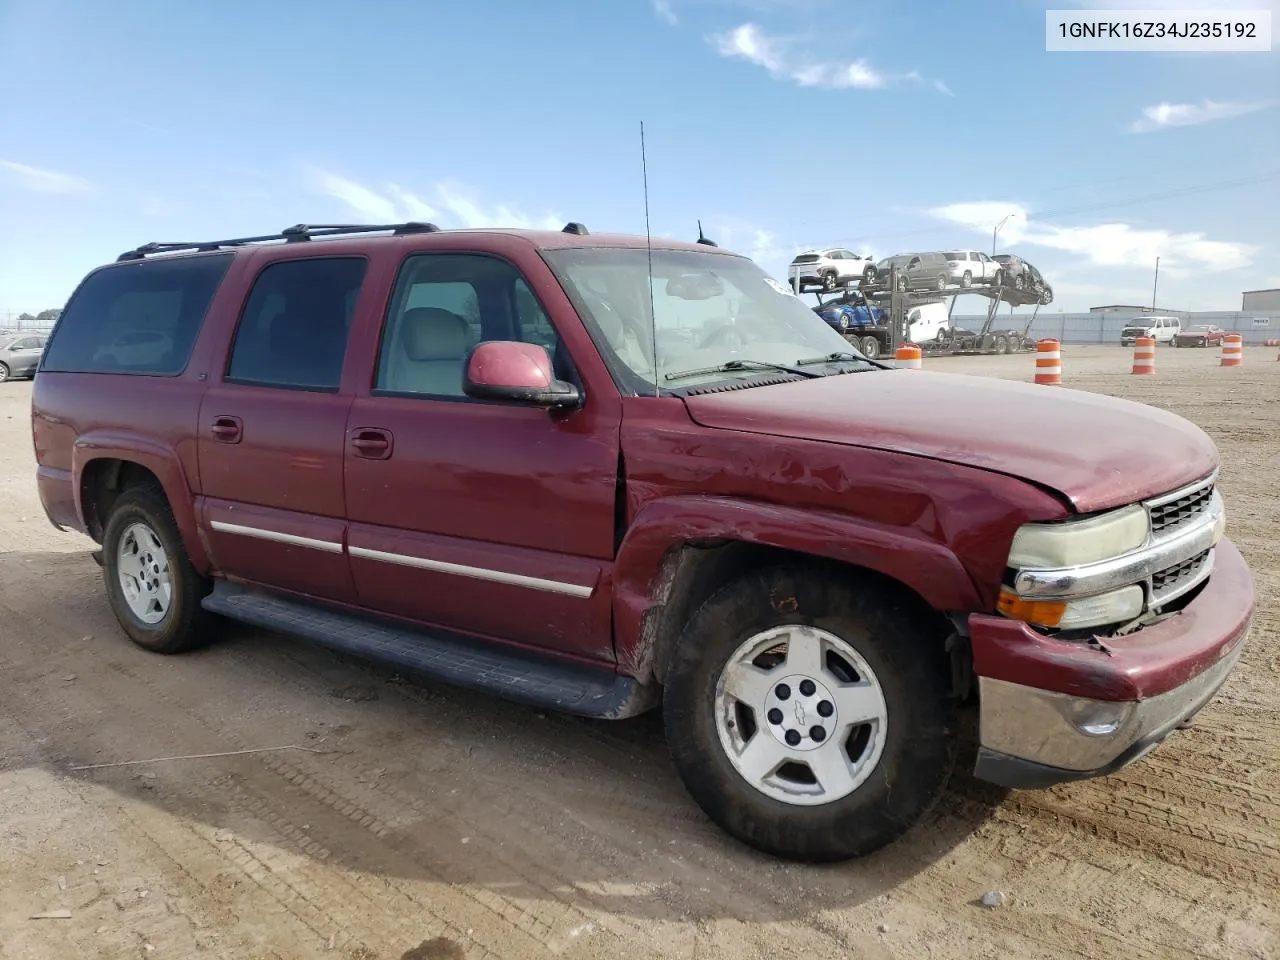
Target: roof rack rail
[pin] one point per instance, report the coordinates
(575, 228)
(299, 232)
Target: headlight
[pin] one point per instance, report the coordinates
(1075, 542)
(1117, 606)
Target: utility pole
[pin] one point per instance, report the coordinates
(1155, 284)
(996, 231)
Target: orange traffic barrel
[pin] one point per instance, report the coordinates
(1144, 355)
(1048, 361)
(1232, 350)
(908, 357)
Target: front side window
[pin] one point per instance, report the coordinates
(141, 317)
(293, 331)
(700, 310)
(443, 305)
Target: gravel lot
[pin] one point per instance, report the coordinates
(419, 822)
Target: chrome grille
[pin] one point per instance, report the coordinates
(1177, 508)
(1174, 581)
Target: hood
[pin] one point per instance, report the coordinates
(1096, 451)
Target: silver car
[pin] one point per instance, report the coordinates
(20, 355)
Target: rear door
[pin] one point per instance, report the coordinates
(487, 518)
(272, 429)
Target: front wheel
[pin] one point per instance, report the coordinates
(153, 589)
(4, 372)
(966, 281)
(809, 716)
(870, 348)
(828, 282)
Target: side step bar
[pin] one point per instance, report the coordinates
(502, 671)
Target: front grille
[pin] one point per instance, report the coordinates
(1187, 506)
(1166, 581)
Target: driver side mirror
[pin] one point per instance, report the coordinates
(518, 373)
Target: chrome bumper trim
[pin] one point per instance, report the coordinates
(1082, 735)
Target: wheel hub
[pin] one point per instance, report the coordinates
(800, 711)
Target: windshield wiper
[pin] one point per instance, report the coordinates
(831, 358)
(733, 365)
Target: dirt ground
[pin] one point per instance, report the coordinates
(420, 822)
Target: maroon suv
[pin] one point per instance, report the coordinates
(571, 471)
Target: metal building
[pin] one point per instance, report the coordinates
(1252, 300)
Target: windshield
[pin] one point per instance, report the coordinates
(711, 309)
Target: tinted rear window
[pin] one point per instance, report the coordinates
(139, 317)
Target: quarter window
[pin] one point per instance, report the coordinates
(445, 304)
(293, 332)
(141, 317)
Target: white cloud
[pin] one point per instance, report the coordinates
(748, 42)
(1164, 115)
(1104, 244)
(357, 197)
(664, 11)
(450, 202)
(39, 180)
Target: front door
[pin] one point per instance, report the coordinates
(486, 518)
(272, 432)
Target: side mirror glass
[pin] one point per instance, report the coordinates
(518, 373)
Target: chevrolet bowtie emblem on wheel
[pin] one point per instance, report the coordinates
(799, 713)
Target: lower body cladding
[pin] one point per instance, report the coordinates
(1054, 711)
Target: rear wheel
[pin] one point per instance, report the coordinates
(810, 718)
(869, 275)
(943, 280)
(870, 347)
(153, 589)
(4, 372)
(902, 282)
(966, 281)
(1002, 345)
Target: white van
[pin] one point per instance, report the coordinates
(926, 322)
(1163, 329)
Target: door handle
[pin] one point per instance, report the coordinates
(372, 443)
(227, 429)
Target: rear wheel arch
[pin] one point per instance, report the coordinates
(103, 479)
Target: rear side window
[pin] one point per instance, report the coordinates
(140, 317)
(293, 332)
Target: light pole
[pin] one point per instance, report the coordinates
(1155, 285)
(996, 231)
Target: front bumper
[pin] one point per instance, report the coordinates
(1053, 711)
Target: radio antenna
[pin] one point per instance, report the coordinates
(648, 244)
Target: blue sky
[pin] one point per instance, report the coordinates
(880, 125)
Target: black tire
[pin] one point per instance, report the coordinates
(185, 624)
(903, 283)
(4, 372)
(905, 653)
(869, 276)
(870, 348)
(966, 281)
(943, 280)
(828, 282)
(1002, 345)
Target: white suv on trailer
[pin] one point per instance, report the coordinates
(831, 268)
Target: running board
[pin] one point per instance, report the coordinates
(502, 671)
